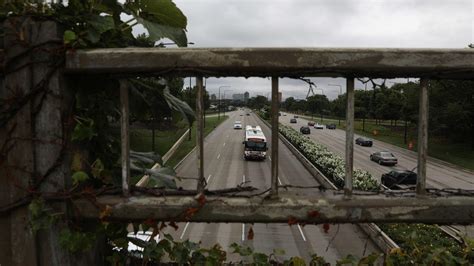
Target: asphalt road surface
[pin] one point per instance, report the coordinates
(225, 168)
(439, 174)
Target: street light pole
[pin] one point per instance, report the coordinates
(224, 97)
(219, 108)
(340, 92)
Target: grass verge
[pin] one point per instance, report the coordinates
(459, 154)
(187, 146)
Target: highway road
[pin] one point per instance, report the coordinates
(225, 168)
(439, 174)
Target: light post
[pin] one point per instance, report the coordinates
(224, 97)
(219, 108)
(340, 92)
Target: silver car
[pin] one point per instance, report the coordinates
(384, 157)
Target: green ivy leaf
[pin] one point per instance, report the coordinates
(69, 37)
(76, 241)
(97, 168)
(99, 24)
(84, 129)
(79, 177)
(160, 31)
(164, 12)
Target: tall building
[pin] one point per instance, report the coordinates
(279, 96)
(246, 96)
(213, 97)
(238, 97)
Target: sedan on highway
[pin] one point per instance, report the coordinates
(293, 121)
(398, 179)
(295, 116)
(237, 125)
(318, 126)
(384, 157)
(364, 142)
(305, 130)
(331, 126)
(310, 123)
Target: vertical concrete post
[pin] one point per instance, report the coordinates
(275, 138)
(36, 135)
(200, 133)
(349, 137)
(125, 137)
(422, 137)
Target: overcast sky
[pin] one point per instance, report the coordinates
(318, 23)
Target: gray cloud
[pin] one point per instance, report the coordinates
(321, 23)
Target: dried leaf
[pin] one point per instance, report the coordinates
(326, 228)
(201, 199)
(106, 212)
(250, 233)
(190, 212)
(313, 214)
(292, 220)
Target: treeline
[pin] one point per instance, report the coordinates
(451, 102)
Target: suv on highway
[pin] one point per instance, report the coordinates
(293, 121)
(305, 130)
(394, 179)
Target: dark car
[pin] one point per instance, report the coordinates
(393, 179)
(384, 157)
(295, 116)
(247, 114)
(331, 126)
(310, 123)
(364, 142)
(293, 121)
(305, 130)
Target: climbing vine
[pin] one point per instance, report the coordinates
(92, 144)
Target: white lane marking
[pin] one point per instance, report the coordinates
(279, 181)
(269, 158)
(184, 230)
(218, 156)
(209, 177)
(301, 232)
(243, 232)
(223, 144)
(243, 179)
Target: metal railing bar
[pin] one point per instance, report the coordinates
(422, 137)
(275, 137)
(200, 133)
(349, 137)
(125, 137)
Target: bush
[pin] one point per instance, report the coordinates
(330, 164)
